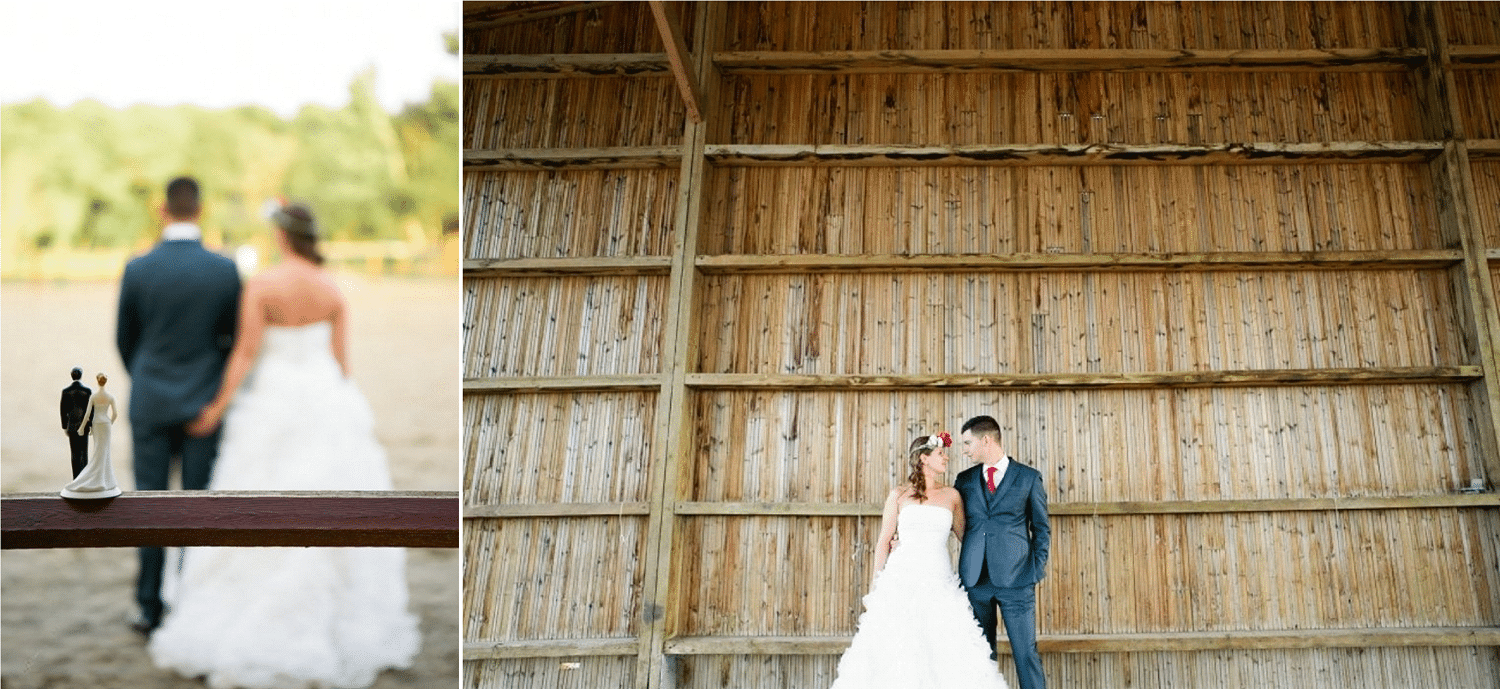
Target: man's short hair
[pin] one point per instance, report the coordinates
(182, 198)
(982, 425)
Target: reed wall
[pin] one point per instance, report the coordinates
(1255, 387)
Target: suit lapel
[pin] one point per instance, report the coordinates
(1006, 482)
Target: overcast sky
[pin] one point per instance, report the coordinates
(280, 54)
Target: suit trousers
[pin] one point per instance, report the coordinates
(1018, 610)
(153, 448)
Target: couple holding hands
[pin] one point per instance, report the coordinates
(919, 624)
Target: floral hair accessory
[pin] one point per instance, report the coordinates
(936, 441)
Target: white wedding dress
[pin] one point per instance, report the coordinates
(917, 631)
(291, 618)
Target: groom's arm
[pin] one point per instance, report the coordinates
(127, 321)
(1041, 526)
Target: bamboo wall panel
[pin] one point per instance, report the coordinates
(571, 113)
(623, 27)
(797, 26)
(1067, 108)
(550, 673)
(1477, 94)
(573, 213)
(1471, 23)
(550, 448)
(1125, 574)
(555, 578)
(1125, 209)
(720, 671)
(565, 326)
(1096, 445)
(968, 323)
(1486, 176)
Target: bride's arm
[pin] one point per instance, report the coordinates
(88, 414)
(887, 531)
(246, 344)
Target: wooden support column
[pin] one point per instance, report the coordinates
(1458, 221)
(680, 59)
(674, 429)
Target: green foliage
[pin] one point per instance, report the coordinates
(89, 176)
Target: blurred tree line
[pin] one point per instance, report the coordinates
(92, 177)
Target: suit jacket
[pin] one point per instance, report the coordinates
(179, 305)
(75, 402)
(1007, 532)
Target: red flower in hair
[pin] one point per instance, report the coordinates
(947, 439)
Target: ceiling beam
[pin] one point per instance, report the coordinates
(677, 56)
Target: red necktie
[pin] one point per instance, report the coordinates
(990, 478)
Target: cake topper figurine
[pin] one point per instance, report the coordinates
(97, 480)
(75, 401)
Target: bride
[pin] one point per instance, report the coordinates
(290, 617)
(918, 629)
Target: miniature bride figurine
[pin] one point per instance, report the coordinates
(97, 480)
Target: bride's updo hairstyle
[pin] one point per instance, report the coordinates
(101, 379)
(921, 447)
(296, 221)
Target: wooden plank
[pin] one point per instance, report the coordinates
(549, 648)
(567, 65)
(594, 265)
(1124, 643)
(523, 384)
(1484, 149)
(1299, 260)
(1258, 153)
(1474, 56)
(614, 158)
(678, 57)
(1039, 381)
(557, 509)
(233, 518)
(482, 15)
(810, 509)
(1078, 60)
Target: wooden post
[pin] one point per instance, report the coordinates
(678, 56)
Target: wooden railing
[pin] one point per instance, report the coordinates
(232, 518)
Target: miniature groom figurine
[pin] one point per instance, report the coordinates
(75, 401)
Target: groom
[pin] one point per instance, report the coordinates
(1006, 536)
(178, 309)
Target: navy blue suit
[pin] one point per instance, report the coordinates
(1004, 555)
(179, 305)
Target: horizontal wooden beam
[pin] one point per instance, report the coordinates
(486, 15)
(823, 509)
(557, 509)
(1255, 153)
(1039, 381)
(1474, 56)
(959, 263)
(1483, 149)
(1080, 60)
(594, 265)
(540, 384)
(550, 648)
(615, 158)
(224, 518)
(567, 65)
(1125, 643)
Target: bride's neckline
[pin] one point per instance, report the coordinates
(285, 326)
(923, 504)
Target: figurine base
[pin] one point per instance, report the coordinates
(92, 494)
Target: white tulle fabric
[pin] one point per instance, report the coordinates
(917, 631)
(292, 618)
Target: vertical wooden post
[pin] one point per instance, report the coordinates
(674, 411)
(1458, 216)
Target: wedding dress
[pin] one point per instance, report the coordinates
(264, 618)
(917, 630)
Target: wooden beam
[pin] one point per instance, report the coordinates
(618, 158)
(592, 265)
(1081, 60)
(566, 65)
(1474, 56)
(488, 15)
(557, 509)
(1119, 508)
(890, 155)
(549, 648)
(680, 59)
(1484, 149)
(1124, 381)
(233, 518)
(1429, 259)
(1126, 643)
(539, 384)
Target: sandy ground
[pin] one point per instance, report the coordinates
(65, 612)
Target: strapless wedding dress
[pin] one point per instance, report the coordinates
(917, 631)
(291, 618)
